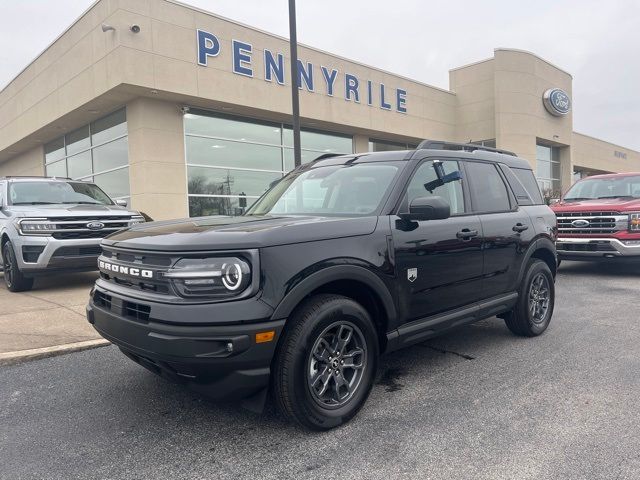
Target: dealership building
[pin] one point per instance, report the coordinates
(182, 112)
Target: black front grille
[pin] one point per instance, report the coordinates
(147, 285)
(87, 219)
(131, 310)
(158, 284)
(140, 259)
(137, 311)
(83, 234)
(102, 300)
(586, 247)
(92, 251)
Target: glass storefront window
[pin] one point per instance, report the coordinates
(54, 150)
(57, 169)
(78, 140)
(94, 149)
(203, 206)
(548, 169)
(110, 127)
(320, 142)
(232, 129)
(115, 183)
(79, 165)
(222, 153)
(111, 155)
(231, 161)
(218, 181)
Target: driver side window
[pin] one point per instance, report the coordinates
(451, 192)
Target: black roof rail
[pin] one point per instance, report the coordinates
(467, 147)
(324, 156)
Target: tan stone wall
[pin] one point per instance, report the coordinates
(157, 168)
(591, 153)
(475, 110)
(28, 163)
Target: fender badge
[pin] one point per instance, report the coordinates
(412, 274)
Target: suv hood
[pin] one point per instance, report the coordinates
(76, 210)
(604, 204)
(227, 233)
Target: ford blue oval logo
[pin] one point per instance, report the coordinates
(556, 101)
(580, 223)
(95, 225)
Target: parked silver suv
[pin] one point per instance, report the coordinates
(54, 224)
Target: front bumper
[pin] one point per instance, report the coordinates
(43, 254)
(596, 248)
(222, 360)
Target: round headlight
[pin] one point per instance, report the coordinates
(231, 275)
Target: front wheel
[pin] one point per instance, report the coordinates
(326, 362)
(536, 297)
(13, 277)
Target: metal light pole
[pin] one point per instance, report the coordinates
(295, 100)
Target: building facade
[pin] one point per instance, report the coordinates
(182, 112)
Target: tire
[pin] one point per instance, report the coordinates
(13, 277)
(314, 384)
(536, 298)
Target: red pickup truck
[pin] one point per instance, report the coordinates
(599, 218)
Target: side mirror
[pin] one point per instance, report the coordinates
(427, 208)
(553, 201)
(121, 203)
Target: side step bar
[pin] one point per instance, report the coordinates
(425, 328)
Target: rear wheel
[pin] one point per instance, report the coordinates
(532, 314)
(326, 362)
(13, 277)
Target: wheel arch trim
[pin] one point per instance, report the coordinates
(331, 274)
(540, 243)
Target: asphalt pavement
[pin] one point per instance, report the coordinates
(478, 403)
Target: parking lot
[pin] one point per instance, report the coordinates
(477, 403)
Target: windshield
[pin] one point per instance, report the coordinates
(351, 189)
(597, 188)
(56, 192)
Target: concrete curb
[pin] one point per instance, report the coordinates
(12, 358)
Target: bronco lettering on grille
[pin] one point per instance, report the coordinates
(131, 271)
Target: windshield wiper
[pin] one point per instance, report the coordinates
(576, 199)
(35, 203)
(81, 203)
(616, 196)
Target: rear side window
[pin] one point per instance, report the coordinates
(488, 191)
(529, 182)
(522, 196)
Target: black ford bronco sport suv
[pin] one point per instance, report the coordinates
(341, 260)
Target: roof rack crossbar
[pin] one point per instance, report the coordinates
(467, 147)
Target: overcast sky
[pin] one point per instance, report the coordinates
(597, 41)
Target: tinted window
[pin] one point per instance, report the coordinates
(522, 196)
(450, 192)
(488, 191)
(529, 181)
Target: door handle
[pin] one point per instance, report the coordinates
(466, 234)
(518, 227)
